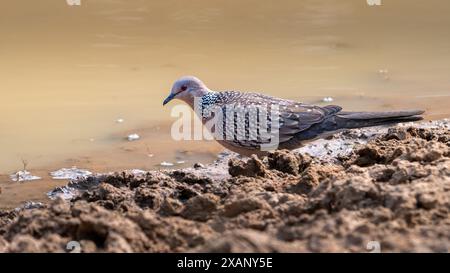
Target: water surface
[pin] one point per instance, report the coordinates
(68, 72)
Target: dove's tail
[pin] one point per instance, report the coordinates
(351, 120)
(348, 120)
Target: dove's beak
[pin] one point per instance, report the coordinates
(169, 98)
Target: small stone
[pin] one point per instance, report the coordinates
(133, 137)
(199, 166)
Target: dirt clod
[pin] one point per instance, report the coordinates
(253, 167)
(393, 188)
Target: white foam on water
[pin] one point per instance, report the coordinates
(70, 173)
(137, 172)
(22, 176)
(166, 164)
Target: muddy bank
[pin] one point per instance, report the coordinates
(348, 193)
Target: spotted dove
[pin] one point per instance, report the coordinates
(293, 122)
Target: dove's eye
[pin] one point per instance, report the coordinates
(183, 88)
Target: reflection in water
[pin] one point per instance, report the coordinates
(68, 72)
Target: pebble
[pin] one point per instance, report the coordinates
(133, 137)
(199, 166)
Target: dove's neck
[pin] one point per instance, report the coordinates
(201, 98)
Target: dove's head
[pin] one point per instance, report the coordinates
(187, 89)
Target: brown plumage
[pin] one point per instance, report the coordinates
(293, 122)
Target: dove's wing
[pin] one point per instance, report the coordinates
(293, 117)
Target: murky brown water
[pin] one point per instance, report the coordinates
(68, 72)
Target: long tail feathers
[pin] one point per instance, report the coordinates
(366, 119)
